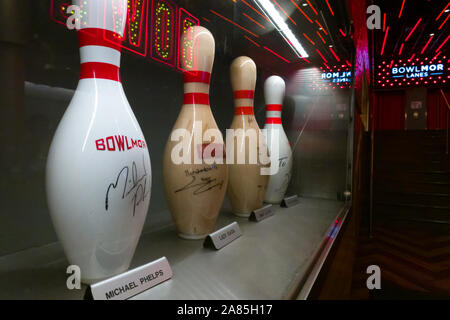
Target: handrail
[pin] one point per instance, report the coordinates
(447, 112)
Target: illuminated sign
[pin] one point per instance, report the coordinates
(164, 35)
(136, 32)
(163, 31)
(337, 77)
(417, 71)
(186, 49)
(422, 72)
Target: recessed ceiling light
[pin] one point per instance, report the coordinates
(448, 10)
(305, 4)
(331, 46)
(431, 34)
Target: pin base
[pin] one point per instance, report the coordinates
(192, 237)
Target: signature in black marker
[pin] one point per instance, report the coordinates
(134, 185)
(204, 185)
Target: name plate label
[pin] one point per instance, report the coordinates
(290, 201)
(262, 213)
(130, 283)
(223, 237)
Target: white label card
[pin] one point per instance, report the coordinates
(130, 283)
(262, 213)
(290, 201)
(223, 237)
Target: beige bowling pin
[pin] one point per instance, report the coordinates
(247, 185)
(195, 190)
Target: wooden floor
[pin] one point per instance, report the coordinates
(414, 258)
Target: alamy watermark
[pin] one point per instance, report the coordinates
(241, 147)
(374, 280)
(74, 20)
(74, 280)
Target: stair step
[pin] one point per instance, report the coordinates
(407, 165)
(409, 187)
(411, 212)
(440, 177)
(414, 198)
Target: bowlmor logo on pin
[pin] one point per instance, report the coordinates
(118, 143)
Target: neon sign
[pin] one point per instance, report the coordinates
(165, 17)
(417, 71)
(337, 77)
(163, 34)
(187, 49)
(423, 72)
(137, 17)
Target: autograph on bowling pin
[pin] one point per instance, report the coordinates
(204, 185)
(134, 185)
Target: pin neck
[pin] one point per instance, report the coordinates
(196, 77)
(243, 101)
(100, 54)
(196, 88)
(273, 113)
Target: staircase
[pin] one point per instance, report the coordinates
(411, 176)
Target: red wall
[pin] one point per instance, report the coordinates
(436, 104)
(390, 110)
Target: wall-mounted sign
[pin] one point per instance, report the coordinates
(336, 77)
(419, 72)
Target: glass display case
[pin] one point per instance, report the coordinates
(78, 139)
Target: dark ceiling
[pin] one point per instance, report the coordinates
(253, 34)
(412, 27)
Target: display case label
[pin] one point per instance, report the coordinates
(130, 283)
(223, 237)
(290, 201)
(262, 213)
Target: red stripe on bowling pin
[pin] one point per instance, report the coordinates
(244, 94)
(99, 37)
(100, 54)
(273, 113)
(273, 107)
(244, 107)
(100, 70)
(243, 111)
(196, 98)
(273, 120)
(197, 76)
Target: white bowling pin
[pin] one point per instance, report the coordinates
(98, 174)
(277, 141)
(246, 186)
(195, 188)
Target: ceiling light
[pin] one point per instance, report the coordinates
(448, 10)
(431, 34)
(305, 4)
(269, 10)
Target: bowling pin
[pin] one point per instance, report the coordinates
(98, 174)
(195, 186)
(277, 141)
(247, 185)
